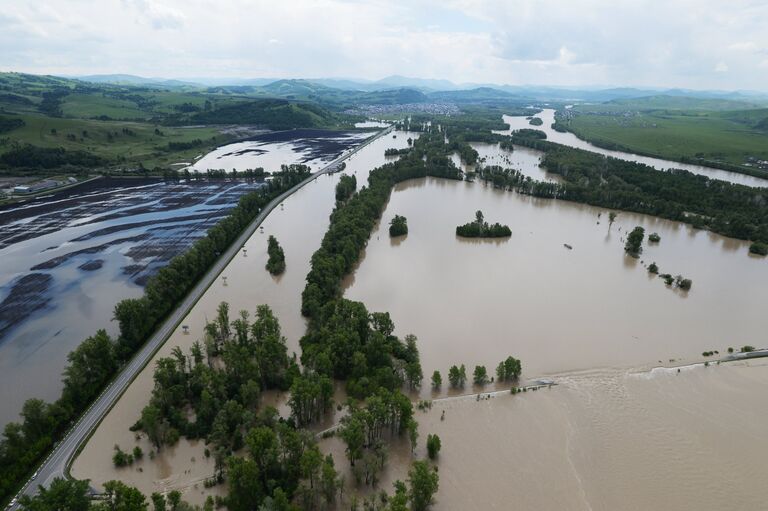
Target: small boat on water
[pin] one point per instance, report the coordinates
(566, 245)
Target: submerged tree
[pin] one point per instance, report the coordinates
(634, 244)
(437, 380)
(424, 482)
(276, 262)
(398, 226)
(611, 219)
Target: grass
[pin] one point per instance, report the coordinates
(95, 105)
(142, 146)
(719, 136)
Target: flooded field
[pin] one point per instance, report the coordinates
(299, 226)
(569, 139)
(68, 258)
(270, 150)
(601, 440)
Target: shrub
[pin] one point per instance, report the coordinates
(758, 248)
(433, 446)
(398, 226)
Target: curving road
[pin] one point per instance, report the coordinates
(58, 461)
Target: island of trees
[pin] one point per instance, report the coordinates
(276, 261)
(479, 228)
(398, 226)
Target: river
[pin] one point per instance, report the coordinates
(613, 434)
(569, 139)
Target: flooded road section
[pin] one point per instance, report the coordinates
(299, 226)
(557, 309)
(569, 139)
(601, 440)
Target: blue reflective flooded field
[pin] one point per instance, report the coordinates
(67, 258)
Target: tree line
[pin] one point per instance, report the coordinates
(729, 209)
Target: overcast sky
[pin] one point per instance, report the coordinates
(697, 44)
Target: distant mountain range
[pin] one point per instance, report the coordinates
(338, 89)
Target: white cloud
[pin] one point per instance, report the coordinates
(676, 43)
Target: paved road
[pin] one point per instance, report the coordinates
(55, 465)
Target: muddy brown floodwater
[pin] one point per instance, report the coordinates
(614, 434)
(601, 440)
(557, 309)
(299, 226)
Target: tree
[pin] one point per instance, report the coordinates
(654, 237)
(398, 226)
(276, 261)
(423, 481)
(758, 248)
(345, 187)
(683, 283)
(455, 377)
(611, 219)
(158, 500)
(121, 497)
(437, 380)
(634, 243)
(433, 446)
(353, 434)
(480, 375)
(61, 495)
(508, 369)
(245, 488)
(653, 268)
(262, 444)
(413, 433)
(174, 499)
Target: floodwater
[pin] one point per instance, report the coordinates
(601, 440)
(69, 258)
(569, 139)
(299, 227)
(556, 309)
(371, 123)
(270, 150)
(609, 435)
